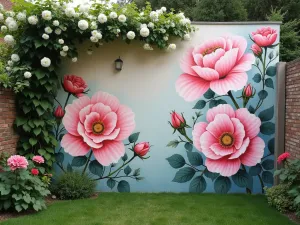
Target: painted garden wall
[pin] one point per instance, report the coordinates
(205, 111)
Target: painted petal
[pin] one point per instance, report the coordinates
(220, 109)
(187, 62)
(84, 112)
(240, 43)
(100, 137)
(71, 118)
(244, 64)
(211, 59)
(87, 139)
(199, 59)
(199, 129)
(109, 122)
(220, 150)
(254, 152)
(191, 87)
(250, 121)
(225, 167)
(207, 74)
(233, 81)
(239, 133)
(90, 120)
(101, 109)
(110, 153)
(227, 62)
(211, 44)
(74, 145)
(106, 99)
(221, 124)
(207, 140)
(241, 150)
(125, 122)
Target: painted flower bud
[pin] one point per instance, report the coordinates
(59, 112)
(248, 91)
(256, 50)
(142, 148)
(177, 120)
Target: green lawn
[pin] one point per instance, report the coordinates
(158, 209)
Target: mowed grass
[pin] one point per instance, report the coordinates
(158, 209)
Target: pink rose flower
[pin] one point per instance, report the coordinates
(17, 162)
(256, 50)
(34, 172)
(101, 124)
(229, 139)
(142, 148)
(283, 157)
(219, 64)
(74, 85)
(38, 159)
(59, 112)
(265, 36)
(177, 121)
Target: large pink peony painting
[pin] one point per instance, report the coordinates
(229, 144)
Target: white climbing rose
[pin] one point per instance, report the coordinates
(45, 62)
(15, 58)
(63, 54)
(65, 48)
(45, 36)
(102, 18)
(122, 18)
(83, 24)
(56, 23)
(147, 47)
(130, 35)
(27, 75)
(113, 15)
(151, 25)
(10, 63)
(61, 41)
(187, 37)
(12, 25)
(164, 9)
(33, 20)
(3, 28)
(21, 16)
(98, 35)
(144, 32)
(172, 47)
(84, 8)
(94, 25)
(74, 59)
(46, 15)
(9, 39)
(94, 39)
(57, 31)
(70, 12)
(1, 17)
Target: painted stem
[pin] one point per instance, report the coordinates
(233, 100)
(247, 189)
(193, 167)
(87, 162)
(187, 138)
(262, 184)
(67, 101)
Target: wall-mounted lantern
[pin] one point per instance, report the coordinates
(119, 64)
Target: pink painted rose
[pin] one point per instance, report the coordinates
(256, 50)
(229, 139)
(142, 148)
(177, 121)
(17, 162)
(219, 64)
(265, 36)
(74, 85)
(38, 159)
(99, 123)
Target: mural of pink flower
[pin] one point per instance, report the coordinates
(74, 85)
(219, 64)
(229, 139)
(265, 36)
(99, 123)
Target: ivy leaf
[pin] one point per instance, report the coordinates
(195, 158)
(255, 170)
(188, 146)
(222, 185)
(257, 78)
(37, 131)
(32, 141)
(271, 71)
(269, 83)
(79, 161)
(133, 137)
(271, 145)
(267, 114)
(96, 168)
(20, 121)
(40, 111)
(198, 185)
(184, 175)
(173, 144)
(127, 170)
(176, 161)
(200, 104)
(209, 94)
(267, 128)
(268, 164)
(111, 183)
(42, 151)
(123, 186)
(38, 43)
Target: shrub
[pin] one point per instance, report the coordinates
(73, 185)
(21, 185)
(279, 198)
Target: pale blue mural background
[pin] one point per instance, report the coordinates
(147, 86)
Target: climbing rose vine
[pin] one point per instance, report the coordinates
(40, 34)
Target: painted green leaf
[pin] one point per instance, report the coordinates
(127, 170)
(210, 175)
(222, 185)
(188, 146)
(198, 185)
(209, 94)
(136, 172)
(257, 78)
(134, 137)
(267, 177)
(269, 83)
(96, 168)
(242, 179)
(200, 104)
(271, 145)
(271, 71)
(213, 103)
(69, 168)
(184, 175)
(195, 158)
(267, 114)
(79, 161)
(268, 164)
(173, 144)
(111, 183)
(220, 102)
(251, 109)
(176, 161)
(262, 94)
(267, 128)
(124, 157)
(123, 186)
(255, 170)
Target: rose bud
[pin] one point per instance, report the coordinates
(141, 149)
(256, 50)
(59, 112)
(34, 172)
(248, 91)
(177, 120)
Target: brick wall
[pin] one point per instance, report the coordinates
(292, 114)
(8, 138)
(6, 3)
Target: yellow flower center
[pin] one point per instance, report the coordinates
(210, 50)
(98, 128)
(226, 140)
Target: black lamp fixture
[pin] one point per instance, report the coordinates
(119, 64)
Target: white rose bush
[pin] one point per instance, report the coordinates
(39, 35)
